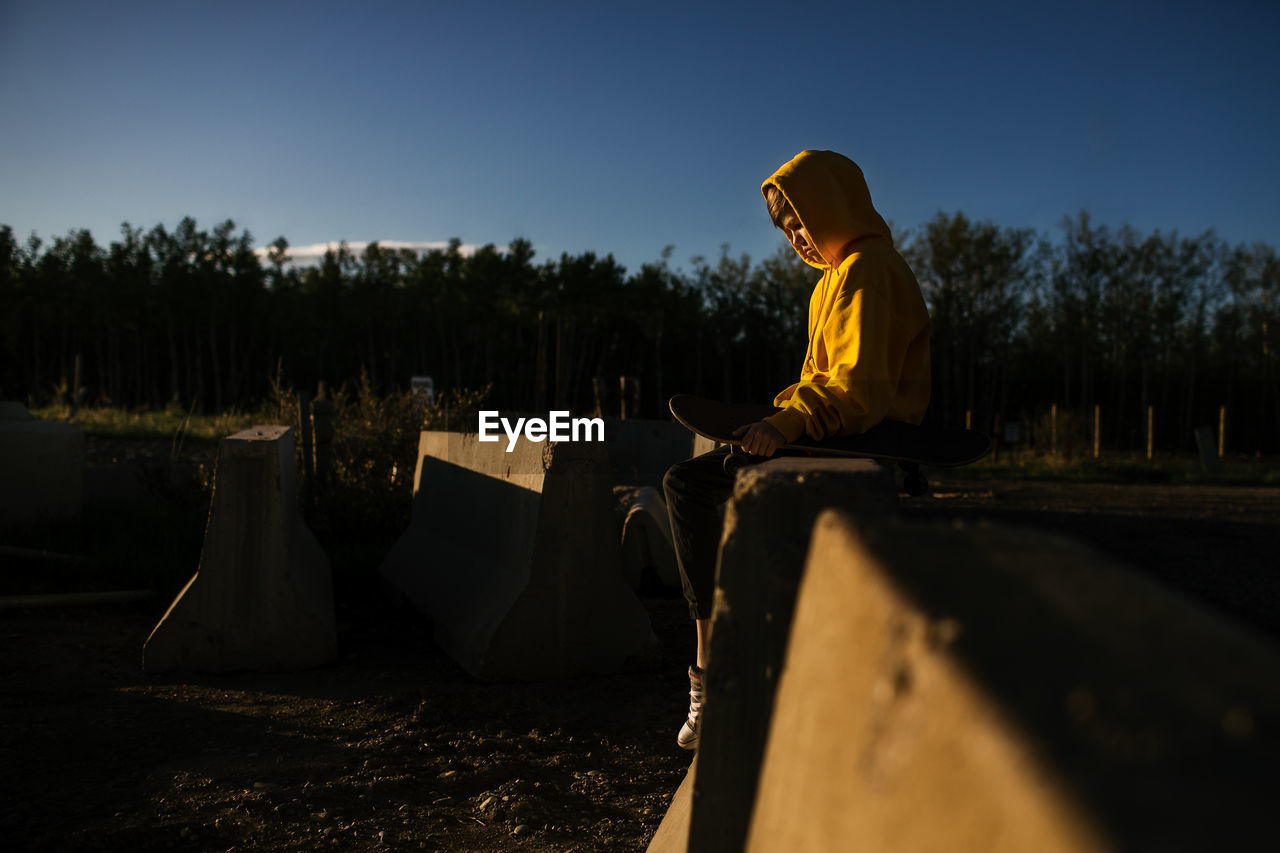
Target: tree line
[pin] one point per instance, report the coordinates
(1092, 316)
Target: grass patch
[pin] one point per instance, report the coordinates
(356, 512)
(172, 422)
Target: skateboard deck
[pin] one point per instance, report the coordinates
(907, 444)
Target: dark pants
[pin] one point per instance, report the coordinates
(695, 489)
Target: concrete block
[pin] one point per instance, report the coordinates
(41, 469)
(645, 536)
(641, 451)
(262, 597)
(515, 557)
(11, 410)
(989, 689)
(703, 445)
(762, 554)
(672, 835)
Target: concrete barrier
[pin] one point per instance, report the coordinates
(990, 689)
(672, 835)
(762, 555)
(645, 537)
(515, 557)
(41, 469)
(262, 597)
(645, 532)
(704, 445)
(641, 451)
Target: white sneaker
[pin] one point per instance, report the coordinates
(688, 737)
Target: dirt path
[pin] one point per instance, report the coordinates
(392, 748)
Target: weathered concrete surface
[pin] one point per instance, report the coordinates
(990, 689)
(11, 410)
(262, 597)
(645, 536)
(703, 445)
(641, 451)
(672, 835)
(762, 555)
(515, 557)
(41, 469)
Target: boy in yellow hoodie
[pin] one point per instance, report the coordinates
(867, 361)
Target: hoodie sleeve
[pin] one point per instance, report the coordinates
(865, 346)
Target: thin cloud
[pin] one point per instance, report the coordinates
(311, 255)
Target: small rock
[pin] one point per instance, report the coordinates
(522, 829)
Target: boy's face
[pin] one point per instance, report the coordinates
(799, 238)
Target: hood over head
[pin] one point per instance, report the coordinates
(830, 195)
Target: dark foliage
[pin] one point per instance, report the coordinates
(1100, 317)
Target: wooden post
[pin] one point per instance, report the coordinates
(633, 402)
(540, 370)
(1053, 430)
(968, 418)
(1222, 431)
(600, 390)
(559, 373)
(630, 392)
(74, 391)
(308, 446)
(1151, 432)
(322, 423)
(1097, 431)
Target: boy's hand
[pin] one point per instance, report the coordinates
(760, 438)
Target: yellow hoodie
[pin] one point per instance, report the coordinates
(868, 355)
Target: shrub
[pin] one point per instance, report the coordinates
(369, 487)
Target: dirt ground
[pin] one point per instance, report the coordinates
(394, 748)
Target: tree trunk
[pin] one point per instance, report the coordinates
(217, 367)
(560, 359)
(657, 370)
(540, 367)
(174, 379)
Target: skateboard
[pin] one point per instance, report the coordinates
(908, 445)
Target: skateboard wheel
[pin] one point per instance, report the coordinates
(915, 485)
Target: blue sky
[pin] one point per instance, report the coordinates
(625, 127)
